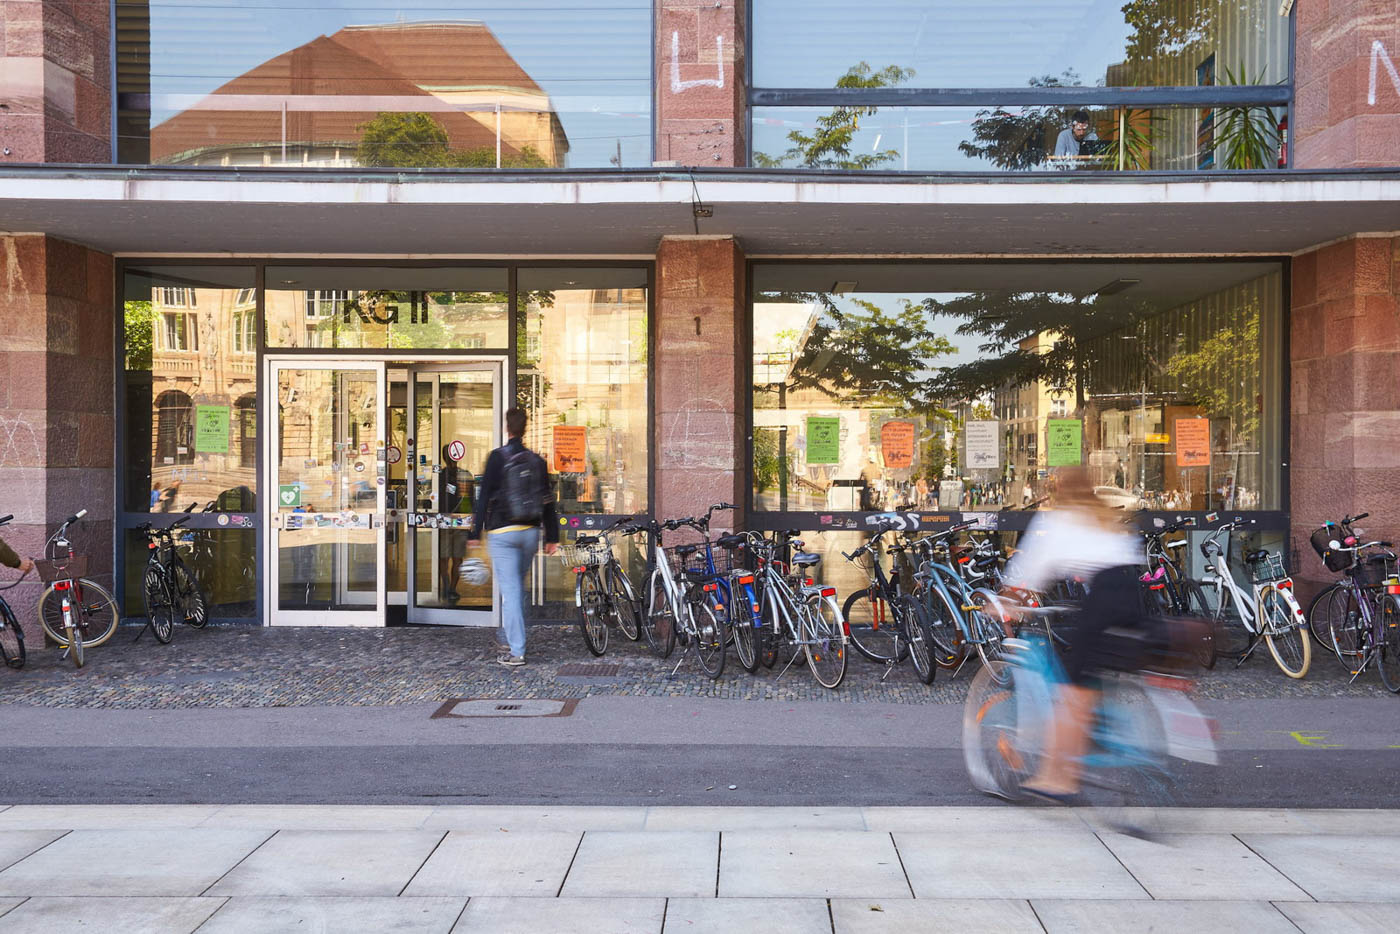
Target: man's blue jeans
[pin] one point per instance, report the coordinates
(511, 555)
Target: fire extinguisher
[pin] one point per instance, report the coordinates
(1283, 142)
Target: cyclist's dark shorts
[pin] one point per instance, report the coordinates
(1114, 601)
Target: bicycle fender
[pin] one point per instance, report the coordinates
(1190, 734)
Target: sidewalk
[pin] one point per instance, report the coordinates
(183, 868)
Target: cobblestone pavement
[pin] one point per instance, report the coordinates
(283, 667)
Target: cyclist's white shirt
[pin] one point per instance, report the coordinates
(1064, 543)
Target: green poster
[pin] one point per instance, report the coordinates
(1063, 442)
(211, 429)
(823, 439)
(289, 494)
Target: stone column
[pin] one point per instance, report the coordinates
(701, 98)
(700, 442)
(1347, 79)
(1345, 350)
(56, 400)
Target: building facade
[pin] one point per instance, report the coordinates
(283, 267)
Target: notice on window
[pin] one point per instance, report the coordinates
(983, 451)
(897, 444)
(570, 448)
(823, 439)
(1193, 442)
(1064, 442)
(211, 429)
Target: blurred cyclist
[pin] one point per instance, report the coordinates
(1080, 538)
(11, 560)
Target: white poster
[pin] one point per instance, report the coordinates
(983, 447)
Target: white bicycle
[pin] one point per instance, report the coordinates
(1268, 613)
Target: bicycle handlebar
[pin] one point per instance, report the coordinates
(5, 519)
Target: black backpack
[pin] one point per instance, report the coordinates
(521, 500)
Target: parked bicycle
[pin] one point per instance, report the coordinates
(682, 595)
(1268, 612)
(1361, 612)
(797, 612)
(169, 586)
(886, 624)
(603, 593)
(11, 633)
(75, 612)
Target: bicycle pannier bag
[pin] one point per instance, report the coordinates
(522, 490)
(1321, 541)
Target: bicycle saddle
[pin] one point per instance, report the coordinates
(730, 541)
(586, 540)
(1257, 555)
(806, 559)
(684, 550)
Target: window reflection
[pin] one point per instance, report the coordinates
(530, 84)
(960, 388)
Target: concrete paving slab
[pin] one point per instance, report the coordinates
(305, 915)
(1079, 916)
(1332, 868)
(7, 903)
(496, 862)
(331, 862)
(933, 820)
(130, 862)
(1248, 820)
(932, 915)
(753, 818)
(810, 864)
(1343, 917)
(15, 845)
(61, 915)
(562, 916)
(730, 915)
(1052, 864)
(320, 817)
(672, 863)
(472, 817)
(104, 817)
(1201, 866)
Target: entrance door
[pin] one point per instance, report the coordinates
(443, 421)
(326, 473)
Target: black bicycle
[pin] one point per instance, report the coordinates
(602, 591)
(11, 633)
(169, 585)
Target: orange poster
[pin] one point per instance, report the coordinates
(897, 442)
(570, 449)
(1193, 442)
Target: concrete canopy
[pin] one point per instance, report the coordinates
(423, 213)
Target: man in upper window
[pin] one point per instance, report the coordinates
(1071, 141)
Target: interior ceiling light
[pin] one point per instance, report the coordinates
(1116, 286)
(843, 288)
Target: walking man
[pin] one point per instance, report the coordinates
(513, 502)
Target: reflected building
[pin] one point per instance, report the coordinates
(310, 105)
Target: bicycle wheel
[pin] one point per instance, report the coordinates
(822, 641)
(190, 597)
(1320, 612)
(950, 648)
(11, 638)
(767, 636)
(913, 617)
(658, 622)
(1350, 631)
(1194, 601)
(999, 745)
(986, 621)
(742, 627)
(1282, 624)
(1228, 632)
(592, 611)
(1389, 653)
(626, 608)
(77, 652)
(874, 630)
(711, 637)
(96, 613)
(158, 605)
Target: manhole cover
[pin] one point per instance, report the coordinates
(585, 670)
(462, 708)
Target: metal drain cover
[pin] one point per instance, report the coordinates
(585, 670)
(462, 708)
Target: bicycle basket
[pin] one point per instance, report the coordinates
(580, 556)
(693, 562)
(1374, 570)
(69, 568)
(1268, 568)
(1321, 541)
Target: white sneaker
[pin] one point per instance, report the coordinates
(511, 661)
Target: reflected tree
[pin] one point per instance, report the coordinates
(1022, 139)
(829, 145)
(418, 140)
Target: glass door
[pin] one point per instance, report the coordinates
(444, 420)
(327, 469)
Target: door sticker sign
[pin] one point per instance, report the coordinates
(456, 451)
(289, 494)
(395, 455)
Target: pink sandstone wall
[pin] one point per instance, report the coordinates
(1344, 115)
(701, 106)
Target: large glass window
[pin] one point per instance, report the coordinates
(960, 387)
(1011, 85)
(438, 83)
(384, 308)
